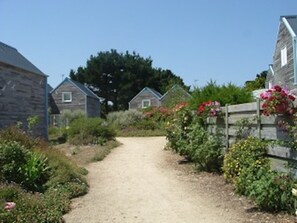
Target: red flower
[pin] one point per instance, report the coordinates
(277, 101)
(292, 97)
(277, 88)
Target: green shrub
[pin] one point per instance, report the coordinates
(57, 135)
(64, 171)
(36, 207)
(14, 134)
(272, 191)
(89, 131)
(243, 154)
(13, 156)
(68, 116)
(147, 124)
(225, 94)
(248, 175)
(178, 128)
(35, 172)
(123, 119)
(208, 156)
(25, 170)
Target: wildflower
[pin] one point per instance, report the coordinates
(9, 206)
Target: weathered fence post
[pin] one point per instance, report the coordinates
(259, 118)
(227, 125)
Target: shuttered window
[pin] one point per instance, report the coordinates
(284, 59)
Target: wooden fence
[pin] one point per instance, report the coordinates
(247, 119)
(58, 121)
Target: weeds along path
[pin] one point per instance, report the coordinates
(136, 183)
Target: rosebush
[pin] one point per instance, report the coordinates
(178, 128)
(205, 149)
(210, 109)
(278, 100)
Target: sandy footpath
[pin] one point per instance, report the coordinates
(135, 184)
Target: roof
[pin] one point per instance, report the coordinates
(176, 86)
(292, 20)
(11, 56)
(154, 92)
(82, 87)
(159, 95)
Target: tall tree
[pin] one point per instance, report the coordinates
(118, 77)
(258, 83)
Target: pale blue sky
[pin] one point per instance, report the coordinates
(222, 40)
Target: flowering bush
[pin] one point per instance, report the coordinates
(210, 108)
(157, 113)
(277, 100)
(180, 106)
(177, 128)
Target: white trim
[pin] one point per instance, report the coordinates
(285, 21)
(66, 93)
(146, 88)
(145, 100)
(271, 69)
(284, 56)
(172, 88)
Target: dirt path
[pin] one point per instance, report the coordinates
(136, 183)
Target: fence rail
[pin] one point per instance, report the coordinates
(258, 125)
(58, 121)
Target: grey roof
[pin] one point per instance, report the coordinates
(175, 87)
(159, 95)
(82, 87)
(11, 56)
(154, 92)
(292, 20)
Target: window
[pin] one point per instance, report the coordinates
(66, 96)
(284, 60)
(146, 103)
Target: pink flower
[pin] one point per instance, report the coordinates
(277, 101)
(277, 88)
(9, 206)
(265, 95)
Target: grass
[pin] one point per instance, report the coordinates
(130, 132)
(83, 155)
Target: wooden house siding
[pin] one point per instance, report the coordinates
(93, 107)
(175, 95)
(283, 75)
(22, 95)
(136, 103)
(78, 102)
(82, 99)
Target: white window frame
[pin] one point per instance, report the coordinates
(63, 96)
(284, 56)
(144, 101)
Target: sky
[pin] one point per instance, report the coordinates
(198, 40)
